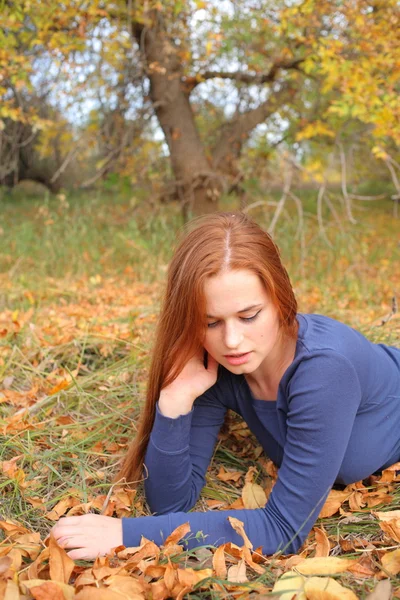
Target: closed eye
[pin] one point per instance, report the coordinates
(245, 319)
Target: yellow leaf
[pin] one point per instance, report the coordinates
(191, 577)
(325, 588)
(224, 475)
(253, 496)
(92, 593)
(219, 564)
(391, 562)
(61, 565)
(328, 565)
(323, 545)
(11, 591)
(61, 507)
(288, 585)
(125, 585)
(333, 502)
(389, 522)
(48, 590)
(177, 534)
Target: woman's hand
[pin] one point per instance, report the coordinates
(194, 379)
(90, 535)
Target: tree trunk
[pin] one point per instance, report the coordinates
(196, 183)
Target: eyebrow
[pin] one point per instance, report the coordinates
(243, 310)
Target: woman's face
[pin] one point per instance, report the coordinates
(243, 325)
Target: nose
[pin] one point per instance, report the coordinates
(233, 336)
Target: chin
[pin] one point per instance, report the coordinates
(245, 369)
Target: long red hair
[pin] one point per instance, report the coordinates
(212, 243)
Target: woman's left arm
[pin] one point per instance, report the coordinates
(323, 399)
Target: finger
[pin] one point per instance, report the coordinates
(61, 530)
(83, 554)
(73, 521)
(71, 542)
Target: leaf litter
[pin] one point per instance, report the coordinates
(53, 349)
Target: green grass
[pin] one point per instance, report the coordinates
(54, 254)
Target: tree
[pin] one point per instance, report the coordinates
(310, 66)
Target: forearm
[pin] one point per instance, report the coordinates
(171, 482)
(213, 528)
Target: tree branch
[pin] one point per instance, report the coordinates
(236, 132)
(248, 78)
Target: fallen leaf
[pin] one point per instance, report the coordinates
(61, 565)
(324, 565)
(326, 588)
(224, 475)
(333, 502)
(253, 496)
(237, 573)
(323, 546)
(191, 577)
(177, 534)
(391, 562)
(61, 508)
(170, 576)
(11, 591)
(50, 590)
(382, 591)
(11, 528)
(389, 522)
(236, 505)
(59, 387)
(129, 588)
(159, 591)
(290, 586)
(364, 567)
(238, 526)
(219, 564)
(249, 561)
(92, 593)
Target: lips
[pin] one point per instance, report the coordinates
(238, 359)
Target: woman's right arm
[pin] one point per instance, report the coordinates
(183, 438)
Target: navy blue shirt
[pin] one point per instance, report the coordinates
(336, 419)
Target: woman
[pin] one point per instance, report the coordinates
(323, 401)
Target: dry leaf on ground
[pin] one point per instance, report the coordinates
(177, 534)
(382, 591)
(253, 496)
(237, 573)
(391, 562)
(326, 588)
(324, 565)
(333, 502)
(48, 590)
(323, 546)
(219, 564)
(61, 565)
(288, 585)
(238, 526)
(389, 522)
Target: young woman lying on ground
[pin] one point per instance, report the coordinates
(323, 401)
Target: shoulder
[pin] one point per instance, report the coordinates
(321, 332)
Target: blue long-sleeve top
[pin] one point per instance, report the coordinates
(336, 419)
